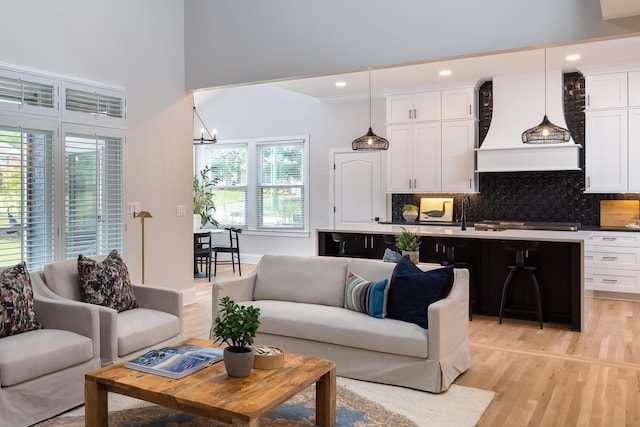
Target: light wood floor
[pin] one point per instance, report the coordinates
(550, 377)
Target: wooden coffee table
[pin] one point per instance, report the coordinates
(211, 393)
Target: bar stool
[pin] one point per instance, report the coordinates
(342, 239)
(449, 246)
(522, 250)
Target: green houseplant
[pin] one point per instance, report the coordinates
(203, 199)
(409, 243)
(409, 212)
(236, 325)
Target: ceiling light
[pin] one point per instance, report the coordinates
(341, 84)
(445, 73)
(572, 57)
(370, 141)
(546, 132)
(211, 137)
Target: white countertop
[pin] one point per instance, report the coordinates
(454, 231)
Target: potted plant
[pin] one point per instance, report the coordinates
(236, 325)
(408, 243)
(203, 202)
(410, 212)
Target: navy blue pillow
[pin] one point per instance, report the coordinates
(412, 290)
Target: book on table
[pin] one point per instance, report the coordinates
(176, 361)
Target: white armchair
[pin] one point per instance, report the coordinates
(156, 322)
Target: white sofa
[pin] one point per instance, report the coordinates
(301, 300)
(155, 323)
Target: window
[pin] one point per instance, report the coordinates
(262, 182)
(61, 179)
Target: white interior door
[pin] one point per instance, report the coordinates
(357, 189)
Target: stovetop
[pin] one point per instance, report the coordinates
(498, 225)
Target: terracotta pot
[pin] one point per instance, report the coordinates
(238, 364)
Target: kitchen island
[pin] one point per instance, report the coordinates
(559, 258)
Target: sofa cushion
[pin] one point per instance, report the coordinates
(62, 277)
(141, 327)
(106, 283)
(41, 352)
(413, 290)
(366, 297)
(17, 312)
(339, 326)
(313, 280)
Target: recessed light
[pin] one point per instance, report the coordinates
(573, 57)
(341, 84)
(445, 73)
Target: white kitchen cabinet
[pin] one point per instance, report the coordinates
(606, 91)
(459, 103)
(458, 162)
(414, 158)
(414, 107)
(634, 150)
(606, 151)
(612, 262)
(634, 89)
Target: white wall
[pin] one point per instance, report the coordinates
(138, 45)
(232, 42)
(266, 111)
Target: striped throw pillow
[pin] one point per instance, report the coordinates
(366, 297)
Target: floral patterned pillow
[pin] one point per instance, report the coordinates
(17, 313)
(106, 283)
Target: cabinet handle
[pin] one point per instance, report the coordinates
(609, 281)
(409, 183)
(588, 182)
(415, 113)
(469, 183)
(588, 257)
(588, 100)
(609, 258)
(469, 109)
(589, 279)
(409, 114)
(610, 239)
(415, 183)
(371, 242)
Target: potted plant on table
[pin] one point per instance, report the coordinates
(203, 203)
(410, 212)
(236, 325)
(408, 243)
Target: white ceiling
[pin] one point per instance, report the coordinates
(422, 76)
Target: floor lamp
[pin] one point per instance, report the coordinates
(142, 215)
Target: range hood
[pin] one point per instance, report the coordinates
(519, 104)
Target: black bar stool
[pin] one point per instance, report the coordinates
(449, 246)
(522, 250)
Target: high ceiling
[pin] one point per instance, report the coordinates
(412, 77)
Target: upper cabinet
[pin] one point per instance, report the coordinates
(429, 152)
(459, 103)
(414, 107)
(606, 91)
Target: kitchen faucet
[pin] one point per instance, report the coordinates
(463, 220)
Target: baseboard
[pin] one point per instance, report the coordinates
(620, 296)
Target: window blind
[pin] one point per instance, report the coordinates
(27, 227)
(280, 189)
(229, 165)
(94, 190)
(26, 93)
(93, 103)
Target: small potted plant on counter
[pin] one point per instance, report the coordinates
(410, 212)
(408, 243)
(236, 326)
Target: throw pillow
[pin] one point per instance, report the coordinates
(17, 312)
(413, 290)
(106, 283)
(391, 256)
(366, 297)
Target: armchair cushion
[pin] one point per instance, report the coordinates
(106, 283)
(141, 328)
(40, 352)
(17, 312)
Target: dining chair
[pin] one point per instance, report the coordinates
(202, 252)
(233, 248)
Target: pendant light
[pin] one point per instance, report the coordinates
(546, 132)
(370, 141)
(202, 140)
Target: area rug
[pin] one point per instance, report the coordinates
(359, 404)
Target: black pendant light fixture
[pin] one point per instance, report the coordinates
(546, 132)
(370, 141)
(211, 137)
